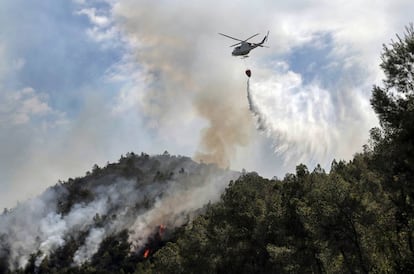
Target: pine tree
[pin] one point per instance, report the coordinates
(393, 143)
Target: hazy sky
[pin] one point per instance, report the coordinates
(82, 82)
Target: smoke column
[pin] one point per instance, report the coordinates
(186, 75)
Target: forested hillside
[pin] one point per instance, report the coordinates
(358, 218)
(128, 208)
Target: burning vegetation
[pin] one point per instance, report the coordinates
(146, 253)
(156, 241)
(118, 206)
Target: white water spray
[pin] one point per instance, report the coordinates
(306, 123)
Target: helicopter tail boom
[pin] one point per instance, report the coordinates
(264, 40)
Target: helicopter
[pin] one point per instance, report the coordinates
(243, 47)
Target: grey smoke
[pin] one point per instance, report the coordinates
(186, 76)
(90, 247)
(138, 204)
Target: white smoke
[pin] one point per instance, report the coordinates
(35, 225)
(177, 205)
(91, 246)
(138, 205)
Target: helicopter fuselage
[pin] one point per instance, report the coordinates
(243, 49)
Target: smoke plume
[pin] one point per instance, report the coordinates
(186, 77)
(159, 190)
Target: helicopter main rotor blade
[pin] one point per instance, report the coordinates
(251, 37)
(240, 41)
(236, 44)
(230, 37)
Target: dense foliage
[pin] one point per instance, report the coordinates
(358, 218)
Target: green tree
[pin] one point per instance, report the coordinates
(113, 255)
(393, 143)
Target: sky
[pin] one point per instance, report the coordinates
(83, 82)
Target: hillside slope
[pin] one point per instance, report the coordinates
(137, 195)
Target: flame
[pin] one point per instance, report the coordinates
(161, 230)
(146, 253)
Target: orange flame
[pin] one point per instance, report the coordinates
(146, 253)
(161, 229)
